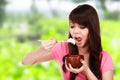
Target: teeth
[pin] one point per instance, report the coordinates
(78, 38)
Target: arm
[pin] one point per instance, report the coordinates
(107, 75)
(90, 74)
(107, 66)
(83, 68)
(37, 56)
(40, 55)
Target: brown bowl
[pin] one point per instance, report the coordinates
(74, 60)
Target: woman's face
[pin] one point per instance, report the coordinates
(79, 33)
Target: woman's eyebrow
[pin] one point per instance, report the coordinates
(71, 24)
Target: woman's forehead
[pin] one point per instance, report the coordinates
(70, 21)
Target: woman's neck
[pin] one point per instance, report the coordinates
(83, 51)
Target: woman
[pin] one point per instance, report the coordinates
(85, 30)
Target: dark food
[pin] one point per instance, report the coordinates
(74, 60)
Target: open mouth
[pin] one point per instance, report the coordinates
(78, 39)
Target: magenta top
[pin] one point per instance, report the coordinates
(61, 49)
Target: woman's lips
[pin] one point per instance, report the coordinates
(78, 40)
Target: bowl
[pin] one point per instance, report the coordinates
(74, 60)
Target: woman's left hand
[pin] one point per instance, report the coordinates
(84, 67)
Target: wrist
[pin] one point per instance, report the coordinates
(86, 70)
(89, 74)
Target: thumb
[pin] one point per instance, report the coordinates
(82, 61)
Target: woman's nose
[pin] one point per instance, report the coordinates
(76, 30)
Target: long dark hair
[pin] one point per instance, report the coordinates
(86, 15)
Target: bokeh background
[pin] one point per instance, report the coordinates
(23, 22)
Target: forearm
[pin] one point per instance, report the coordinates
(40, 55)
(32, 57)
(90, 74)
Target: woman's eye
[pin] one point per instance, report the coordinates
(71, 26)
(82, 27)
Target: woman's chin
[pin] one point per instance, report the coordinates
(79, 44)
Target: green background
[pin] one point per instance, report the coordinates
(14, 45)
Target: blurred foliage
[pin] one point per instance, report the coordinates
(12, 50)
(21, 37)
(111, 42)
(53, 28)
(78, 1)
(113, 15)
(2, 10)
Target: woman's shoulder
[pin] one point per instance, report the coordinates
(106, 61)
(59, 50)
(105, 53)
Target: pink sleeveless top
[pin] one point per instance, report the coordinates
(61, 49)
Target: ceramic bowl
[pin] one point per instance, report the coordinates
(74, 60)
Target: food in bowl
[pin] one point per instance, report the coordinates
(74, 60)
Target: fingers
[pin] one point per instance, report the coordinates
(84, 65)
(66, 66)
(73, 69)
(70, 68)
(83, 62)
(77, 70)
(48, 44)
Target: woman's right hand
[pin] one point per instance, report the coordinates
(48, 44)
(40, 55)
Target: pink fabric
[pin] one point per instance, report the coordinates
(106, 63)
(61, 49)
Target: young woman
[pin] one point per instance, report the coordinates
(85, 30)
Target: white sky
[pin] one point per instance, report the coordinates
(18, 5)
(42, 5)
